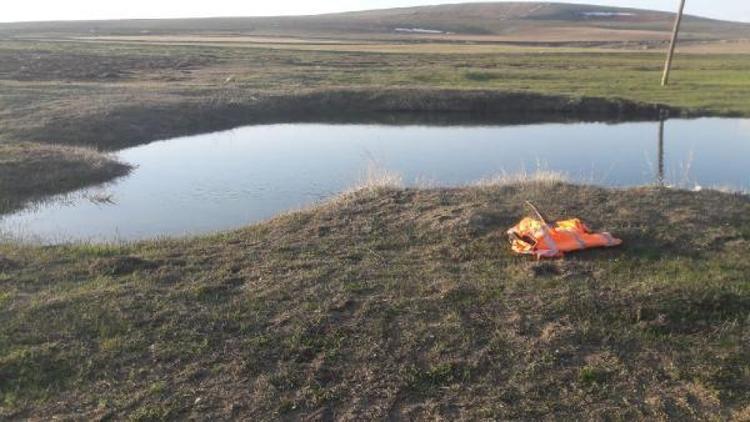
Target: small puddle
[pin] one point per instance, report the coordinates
(224, 180)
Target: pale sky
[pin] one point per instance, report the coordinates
(36, 10)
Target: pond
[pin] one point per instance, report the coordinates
(224, 180)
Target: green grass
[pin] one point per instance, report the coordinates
(392, 302)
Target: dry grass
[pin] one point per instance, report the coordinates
(376, 178)
(215, 39)
(354, 47)
(530, 35)
(716, 47)
(538, 177)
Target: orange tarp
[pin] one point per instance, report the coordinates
(534, 237)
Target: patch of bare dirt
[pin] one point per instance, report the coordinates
(120, 265)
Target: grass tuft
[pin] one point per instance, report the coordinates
(376, 179)
(538, 177)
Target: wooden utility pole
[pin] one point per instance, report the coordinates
(673, 44)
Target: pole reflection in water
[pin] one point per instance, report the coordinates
(660, 170)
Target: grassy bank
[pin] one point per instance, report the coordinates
(392, 303)
(30, 172)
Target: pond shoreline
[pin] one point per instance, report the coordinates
(229, 179)
(128, 125)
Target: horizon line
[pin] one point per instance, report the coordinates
(292, 15)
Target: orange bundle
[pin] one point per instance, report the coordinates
(536, 237)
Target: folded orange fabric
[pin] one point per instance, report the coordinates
(534, 237)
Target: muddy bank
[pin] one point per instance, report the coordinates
(133, 124)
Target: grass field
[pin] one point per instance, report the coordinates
(387, 302)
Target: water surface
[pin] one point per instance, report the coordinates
(224, 180)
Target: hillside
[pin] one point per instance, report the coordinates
(392, 304)
(502, 21)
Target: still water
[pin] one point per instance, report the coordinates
(224, 180)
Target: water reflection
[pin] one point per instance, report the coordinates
(660, 170)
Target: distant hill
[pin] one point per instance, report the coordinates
(502, 21)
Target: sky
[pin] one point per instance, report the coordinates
(37, 10)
